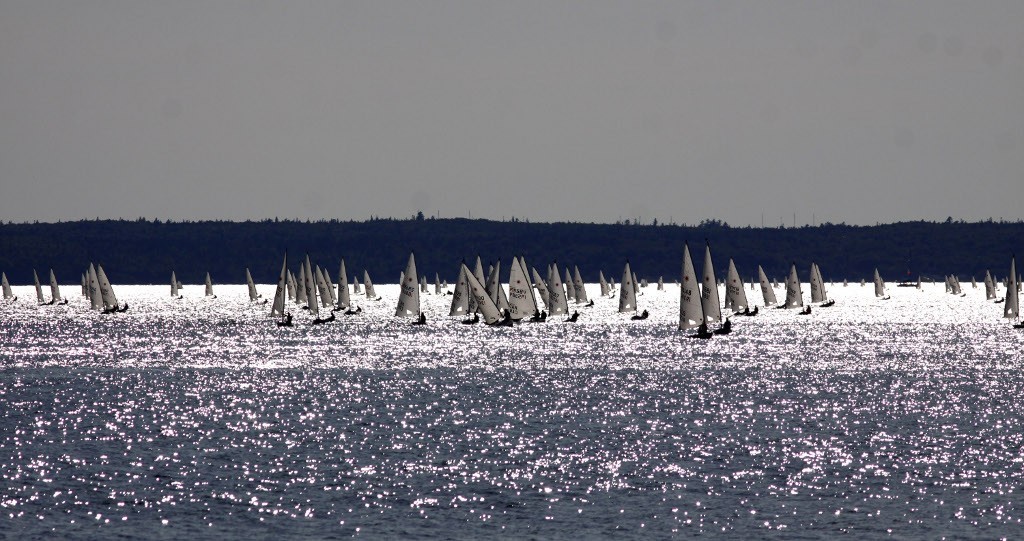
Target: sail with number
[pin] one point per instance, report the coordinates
(559, 304)
(309, 286)
(371, 293)
(329, 286)
(483, 301)
(691, 311)
(344, 299)
(817, 287)
(578, 287)
(409, 296)
(735, 296)
(520, 294)
(541, 287)
(627, 292)
(106, 290)
(794, 294)
(766, 288)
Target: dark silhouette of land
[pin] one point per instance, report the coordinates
(145, 252)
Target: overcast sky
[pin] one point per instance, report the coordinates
(857, 112)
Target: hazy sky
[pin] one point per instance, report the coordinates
(853, 111)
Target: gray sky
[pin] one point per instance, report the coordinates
(854, 111)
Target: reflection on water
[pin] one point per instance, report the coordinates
(201, 417)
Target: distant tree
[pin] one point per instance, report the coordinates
(419, 216)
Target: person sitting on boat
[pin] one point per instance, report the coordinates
(423, 319)
(727, 326)
(288, 319)
(702, 331)
(575, 315)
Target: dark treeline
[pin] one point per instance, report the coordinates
(145, 252)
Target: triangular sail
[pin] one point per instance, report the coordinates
(766, 288)
(54, 288)
(8, 294)
(484, 303)
(816, 285)
(1011, 308)
(605, 288)
(661, 283)
(794, 295)
(556, 294)
(691, 311)
(541, 287)
(578, 286)
(291, 285)
(302, 292)
(990, 290)
(106, 290)
(437, 284)
(709, 299)
(252, 286)
(282, 289)
(627, 295)
(209, 285)
(309, 286)
(322, 288)
(39, 287)
(329, 286)
(879, 285)
(368, 286)
(735, 296)
(520, 294)
(344, 300)
(174, 285)
(570, 287)
(409, 297)
(95, 297)
(460, 298)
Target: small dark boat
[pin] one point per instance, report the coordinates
(641, 316)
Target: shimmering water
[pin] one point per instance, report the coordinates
(200, 417)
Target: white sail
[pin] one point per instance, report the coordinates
(816, 285)
(1011, 308)
(541, 287)
(309, 286)
(282, 289)
(879, 285)
(709, 299)
(423, 285)
(520, 294)
(8, 294)
(691, 311)
(990, 290)
(794, 295)
(484, 303)
(627, 293)
(578, 287)
(735, 296)
(95, 298)
(556, 294)
(409, 297)
(368, 286)
(766, 288)
(209, 285)
(460, 298)
(821, 281)
(344, 300)
(495, 290)
(636, 287)
(39, 288)
(570, 287)
(661, 283)
(291, 286)
(252, 286)
(106, 290)
(174, 285)
(329, 286)
(533, 296)
(322, 287)
(437, 284)
(302, 292)
(54, 288)
(605, 288)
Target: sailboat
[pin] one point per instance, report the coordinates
(691, 308)
(109, 300)
(570, 287)
(556, 294)
(460, 297)
(794, 294)
(55, 297)
(253, 295)
(174, 287)
(627, 293)
(880, 287)
(1011, 310)
(579, 289)
(209, 286)
(735, 295)
(39, 288)
(8, 294)
(766, 288)
(494, 289)
(818, 293)
(409, 296)
(311, 291)
(605, 288)
(280, 294)
(483, 301)
(709, 299)
(371, 294)
(540, 286)
(344, 299)
(521, 302)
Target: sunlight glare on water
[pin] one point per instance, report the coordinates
(201, 417)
